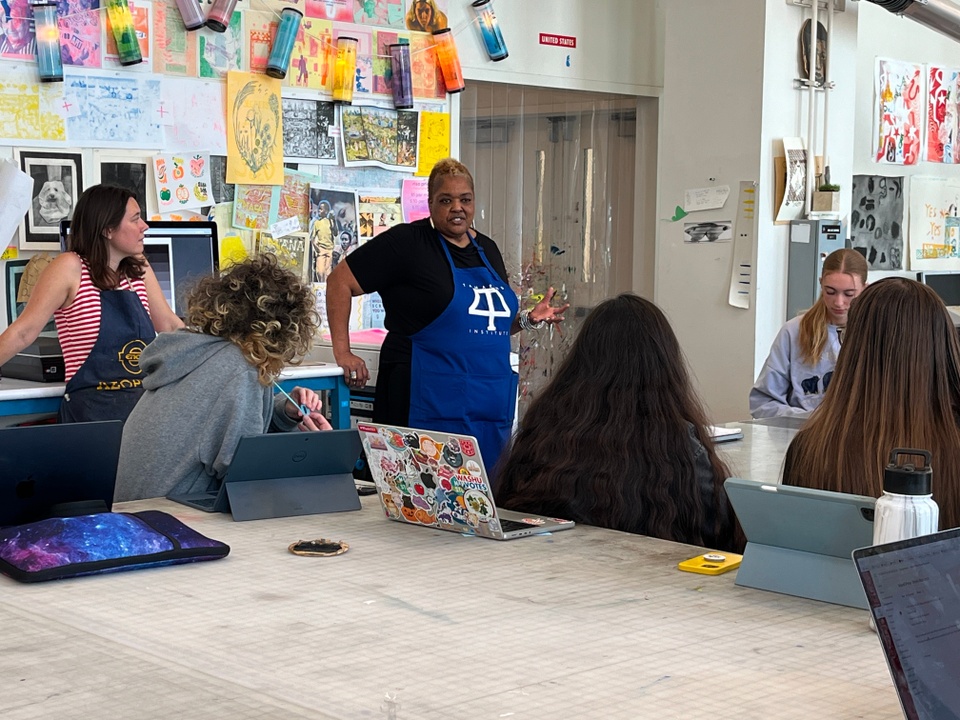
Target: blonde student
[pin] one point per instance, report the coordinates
(800, 366)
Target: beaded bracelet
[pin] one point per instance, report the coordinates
(527, 323)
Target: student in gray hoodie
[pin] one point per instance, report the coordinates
(211, 383)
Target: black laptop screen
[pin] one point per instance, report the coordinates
(914, 592)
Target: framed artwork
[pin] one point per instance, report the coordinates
(130, 171)
(14, 275)
(57, 183)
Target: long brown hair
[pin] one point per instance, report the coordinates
(813, 324)
(99, 209)
(608, 440)
(896, 384)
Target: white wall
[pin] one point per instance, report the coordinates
(619, 45)
(710, 126)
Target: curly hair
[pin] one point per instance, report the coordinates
(262, 308)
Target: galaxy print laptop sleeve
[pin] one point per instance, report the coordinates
(104, 542)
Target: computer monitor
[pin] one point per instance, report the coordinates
(944, 284)
(180, 253)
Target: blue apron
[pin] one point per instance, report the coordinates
(107, 385)
(460, 375)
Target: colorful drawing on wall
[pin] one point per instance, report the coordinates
(424, 69)
(114, 110)
(363, 81)
(306, 130)
(57, 183)
(293, 199)
(311, 62)
(29, 110)
(379, 211)
(434, 140)
(943, 114)
(291, 251)
(221, 53)
(254, 130)
(900, 107)
(251, 206)
(934, 223)
(176, 48)
(381, 61)
(182, 181)
(17, 38)
(235, 245)
(333, 228)
(142, 25)
(193, 115)
(876, 220)
(128, 171)
(340, 10)
(386, 13)
(426, 15)
(80, 32)
(261, 27)
(222, 190)
(379, 136)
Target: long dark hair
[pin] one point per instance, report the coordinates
(608, 442)
(896, 384)
(101, 208)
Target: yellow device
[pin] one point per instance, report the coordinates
(711, 563)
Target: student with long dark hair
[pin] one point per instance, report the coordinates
(897, 384)
(618, 439)
(107, 304)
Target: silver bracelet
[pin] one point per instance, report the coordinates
(527, 323)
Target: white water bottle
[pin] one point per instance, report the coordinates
(907, 508)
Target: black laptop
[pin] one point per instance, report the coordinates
(57, 470)
(283, 474)
(913, 588)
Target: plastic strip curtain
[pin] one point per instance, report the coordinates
(554, 174)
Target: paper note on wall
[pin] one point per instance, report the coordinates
(709, 198)
(434, 140)
(17, 196)
(741, 271)
(254, 130)
(413, 199)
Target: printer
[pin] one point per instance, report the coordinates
(41, 361)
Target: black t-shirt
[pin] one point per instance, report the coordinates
(407, 266)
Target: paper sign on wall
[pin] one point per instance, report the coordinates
(182, 181)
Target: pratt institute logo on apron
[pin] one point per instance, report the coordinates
(488, 302)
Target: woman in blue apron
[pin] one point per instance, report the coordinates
(107, 304)
(450, 312)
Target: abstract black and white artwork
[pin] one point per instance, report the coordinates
(876, 220)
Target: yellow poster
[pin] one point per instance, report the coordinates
(29, 110)
(254, 130)
(434, 140)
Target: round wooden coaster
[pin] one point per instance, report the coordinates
(319, 548)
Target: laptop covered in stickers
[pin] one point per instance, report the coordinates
(437, 479)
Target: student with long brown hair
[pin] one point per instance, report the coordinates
(801, 361)
(618, 439)
(897, 384)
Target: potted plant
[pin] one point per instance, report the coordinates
(826, 198)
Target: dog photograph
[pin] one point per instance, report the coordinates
(57, 183)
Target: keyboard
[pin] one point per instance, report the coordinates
(511, 525)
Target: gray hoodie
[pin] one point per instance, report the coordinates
(201, 397)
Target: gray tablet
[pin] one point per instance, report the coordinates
(800, 541)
